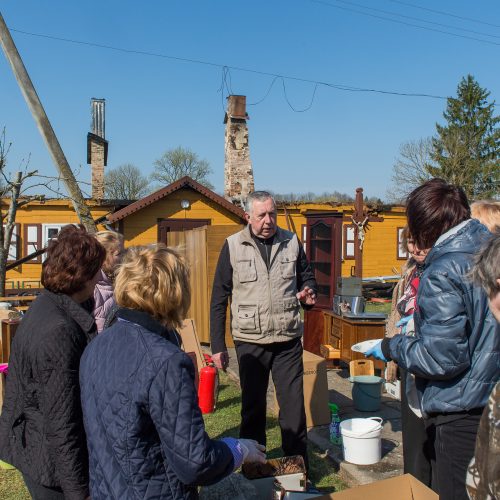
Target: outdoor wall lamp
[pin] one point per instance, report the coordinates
(185, 204)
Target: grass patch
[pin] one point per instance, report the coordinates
(12, 486)
(379, 307)
(225, 423)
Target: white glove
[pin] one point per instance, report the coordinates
(252, 451)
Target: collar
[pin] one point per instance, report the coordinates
(147, 321)
(84, 318)
(246, 236)
(451, 232)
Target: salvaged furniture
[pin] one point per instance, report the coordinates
(323, 244)
(361, 367)
(342, 333)
(8, 330)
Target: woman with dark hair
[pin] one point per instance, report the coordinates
(41, 426)
(454, 353)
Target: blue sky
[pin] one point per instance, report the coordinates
(345, 140)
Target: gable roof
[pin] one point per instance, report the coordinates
(184, 182)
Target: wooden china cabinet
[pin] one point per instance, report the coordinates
(323, 244)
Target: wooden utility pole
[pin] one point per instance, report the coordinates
(45, 128)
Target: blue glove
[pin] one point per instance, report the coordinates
(376, 351)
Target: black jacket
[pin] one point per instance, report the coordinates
(41, 426)
(145, 431)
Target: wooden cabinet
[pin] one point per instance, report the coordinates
(342, 333)
(323, 246)
(323, 249)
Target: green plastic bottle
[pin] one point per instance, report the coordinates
(335, 435)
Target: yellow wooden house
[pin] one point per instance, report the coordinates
(36, 223)
(197, 220)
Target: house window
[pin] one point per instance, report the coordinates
(14, 244)
(349, 241)
(32, 240)
(51, 231)
(401, 252)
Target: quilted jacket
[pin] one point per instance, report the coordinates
(455, 353)
(41, 426)
(104, 300)
(145, 432)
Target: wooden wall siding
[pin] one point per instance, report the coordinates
(141, 228)
(50, 212)
(201, 247)
(379, 249)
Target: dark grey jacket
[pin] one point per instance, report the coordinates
(455, 353)
(41, 427)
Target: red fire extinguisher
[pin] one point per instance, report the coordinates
(208, 387)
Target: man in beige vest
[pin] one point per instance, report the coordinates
(264, 272)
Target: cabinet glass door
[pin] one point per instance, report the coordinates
(320, 252)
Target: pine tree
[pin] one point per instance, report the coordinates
(466, 150)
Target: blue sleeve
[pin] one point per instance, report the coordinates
(440, 348)
(195, 458)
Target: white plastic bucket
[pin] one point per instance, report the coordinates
(361, 440)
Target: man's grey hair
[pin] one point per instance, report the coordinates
(257, 196)
(486, 269)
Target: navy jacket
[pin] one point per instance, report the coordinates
(455, 353)
(145, 431)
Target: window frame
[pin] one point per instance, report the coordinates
(400, 254)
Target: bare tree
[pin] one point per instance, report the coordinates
(12, 195)
(411, 168)
(176, 163)
(125, 182)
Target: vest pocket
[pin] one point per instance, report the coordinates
(246, 270)
(291, 314)
(288, 266)
(248, 319)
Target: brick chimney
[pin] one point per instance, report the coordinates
(238, 171)
(97, 147)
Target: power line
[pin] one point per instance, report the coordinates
(401, 22)
(445, 13)
(235, 68)
(417, 19)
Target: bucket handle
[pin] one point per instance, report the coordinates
(376, 419)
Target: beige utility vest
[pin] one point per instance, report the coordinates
(264, 306)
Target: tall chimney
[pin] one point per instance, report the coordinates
(97, 147)
(238, 171)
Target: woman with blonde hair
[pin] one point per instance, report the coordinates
(487, 212)
(103, 293)
(145, 431)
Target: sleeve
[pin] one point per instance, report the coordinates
(196, 459)
(305, 274)
(59, 359)
(440, 348)
(221, 291)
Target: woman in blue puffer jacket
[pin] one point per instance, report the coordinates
(145, 432)
(455, 354)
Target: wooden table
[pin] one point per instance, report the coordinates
(342, 333)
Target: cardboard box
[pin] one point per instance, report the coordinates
(277, 474)
(191, 343)
(393, 389)
(404, 487)
(315, 390)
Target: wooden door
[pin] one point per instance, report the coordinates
(166, 226)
